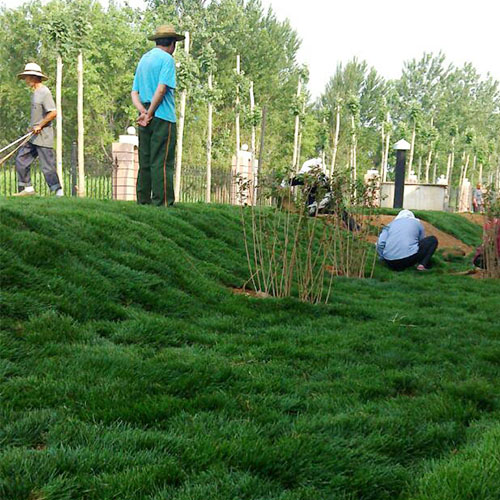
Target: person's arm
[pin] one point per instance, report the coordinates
(382, 239)
(136, 101)
(421, 231)
(48, 118)
(158, 96)
(148, 114)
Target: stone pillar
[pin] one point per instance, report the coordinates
(126, 166)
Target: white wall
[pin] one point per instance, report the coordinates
(416, 196)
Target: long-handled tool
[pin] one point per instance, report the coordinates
(15, 142)
(22, 141)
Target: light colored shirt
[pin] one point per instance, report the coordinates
(400, 239)
(157, 67)
(42, 103)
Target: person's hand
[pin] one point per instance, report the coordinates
(143, 120)
(37, 129)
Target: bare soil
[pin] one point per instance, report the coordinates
(250, 293)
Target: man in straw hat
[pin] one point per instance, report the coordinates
(41, 145)
(153, 96)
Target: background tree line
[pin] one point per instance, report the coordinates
(450, 115)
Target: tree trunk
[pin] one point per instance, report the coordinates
(449, 171)
(262, 137)
(299, 148)
(428, 166)
(81, 131)
(59, 119)
(296, 135)
(434, 171)
(180, 132)
(209, 141)
(335, 140)
(237, 125)
(412, 149)
(353, 150)
(252, 109)
(386, 156)
(419, 172)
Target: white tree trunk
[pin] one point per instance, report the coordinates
(296, 135)
(252, 109)
(180, 131)
(209, 141)
(59, 119)
(335, 140)
(353, 149)
(81, 131)
(434, 171)
(238, 140)
(386, 156)
(428, 166)
(412, 149)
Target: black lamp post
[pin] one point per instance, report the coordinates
(401, 148)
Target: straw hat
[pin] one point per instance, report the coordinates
(34, 70)
(166, 31)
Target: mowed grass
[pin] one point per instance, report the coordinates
(129, 370)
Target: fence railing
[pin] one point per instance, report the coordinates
(100, 186)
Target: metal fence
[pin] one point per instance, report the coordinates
(99, 185)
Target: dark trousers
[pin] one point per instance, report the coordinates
(155, 179)
(426, 249)
(25, 158)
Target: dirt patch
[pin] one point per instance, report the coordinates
(445, 240)
(478, 219)
(250, 293)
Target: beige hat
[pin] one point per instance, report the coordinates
(166, 31)
(34, 70)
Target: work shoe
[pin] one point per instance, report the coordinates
(25, 193)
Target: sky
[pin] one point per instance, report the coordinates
(385, 33)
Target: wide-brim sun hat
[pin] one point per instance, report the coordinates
(166, 31)
(32, 69)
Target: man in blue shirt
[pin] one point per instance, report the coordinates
(153, 96)
(402, 243)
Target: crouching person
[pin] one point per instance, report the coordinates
(402, 243)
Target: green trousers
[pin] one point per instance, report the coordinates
(155, 179)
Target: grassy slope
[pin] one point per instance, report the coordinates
(128, 370)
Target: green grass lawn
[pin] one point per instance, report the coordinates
(130, 371)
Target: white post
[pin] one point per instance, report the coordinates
(59, 120)
(209, 141)
(180, 131)
(81, 131)
(297, 126)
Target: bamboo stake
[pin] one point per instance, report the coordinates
(81, 131)
(59, 118)
(209, 140)
(180, 130)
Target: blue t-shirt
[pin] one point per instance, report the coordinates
(400, 239)
(157, 67)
